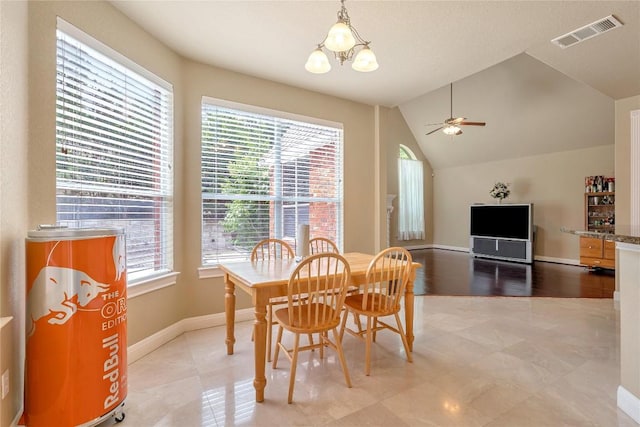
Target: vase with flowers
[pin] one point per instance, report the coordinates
(500, 191)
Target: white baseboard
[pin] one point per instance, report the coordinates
(16, 420)
(567, 261)
(152, 342)
(451, 248)
(629, 403)
(417, 247)
(557, 260)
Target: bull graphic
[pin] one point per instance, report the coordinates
(54, 290)
(119, 261)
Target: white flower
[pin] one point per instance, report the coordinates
(500, 190)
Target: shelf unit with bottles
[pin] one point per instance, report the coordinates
(599, 211)
(599, 208)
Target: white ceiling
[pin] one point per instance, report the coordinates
(530, 109)
(421, 45)
(535, 97)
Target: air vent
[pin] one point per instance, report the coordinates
(581, 34)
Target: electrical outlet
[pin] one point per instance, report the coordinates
(5, 383)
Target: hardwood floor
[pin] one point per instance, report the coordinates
(456, 273)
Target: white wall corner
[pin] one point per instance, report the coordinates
(629, 403)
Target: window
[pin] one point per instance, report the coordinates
(114, 150)
(263, 174)
(411, 197)
(406, 153)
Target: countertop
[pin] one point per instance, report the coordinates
(624, 234)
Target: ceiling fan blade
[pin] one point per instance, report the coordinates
(471, 123)
(434, 124)
(451, 124)
(435, 130)
(454, 120)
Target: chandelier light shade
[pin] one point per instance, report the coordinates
(343, 40)
(339, 38)
(318, 63)
(365, 61)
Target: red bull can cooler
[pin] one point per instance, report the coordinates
(76, 336)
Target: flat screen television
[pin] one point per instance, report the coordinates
(509, 221)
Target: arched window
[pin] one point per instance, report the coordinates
(411, 196)
(406, 153)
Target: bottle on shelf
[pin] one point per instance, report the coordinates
(599, 204)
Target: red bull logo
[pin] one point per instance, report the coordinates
(56, 294)
(76, 329)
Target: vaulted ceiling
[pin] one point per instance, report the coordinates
(421, 46)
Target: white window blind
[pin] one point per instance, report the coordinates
(262, 175)
(114, 153)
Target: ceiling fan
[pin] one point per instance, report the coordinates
(451, 126)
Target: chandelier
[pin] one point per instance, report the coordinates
(342, 39)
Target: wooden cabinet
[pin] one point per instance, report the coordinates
(597, 252)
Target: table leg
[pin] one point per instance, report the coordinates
(230, 312)
(408, 308)
(260, 344)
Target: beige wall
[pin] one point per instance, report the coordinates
(399, 133)
(28, 164)
(13, 189)
(190, 297)
(206, 296)
(27, 177)
(554, 183)
(623, 107)
(149, 313)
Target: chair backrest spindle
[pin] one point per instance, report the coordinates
(317, 289)
(268, 249)
(322, 244)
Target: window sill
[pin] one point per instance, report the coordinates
(153, 284)
(209, 272)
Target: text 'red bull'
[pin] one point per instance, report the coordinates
(111, 372)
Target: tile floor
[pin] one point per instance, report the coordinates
(478, 361)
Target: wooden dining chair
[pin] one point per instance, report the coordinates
(386, 280)
(322, 244)
(319, 245)
(267, 249)
(316, 292)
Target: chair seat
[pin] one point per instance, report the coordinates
(378, 306)
(306, 321)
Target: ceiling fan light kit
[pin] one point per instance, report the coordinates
(452, 130)
(451, 126)
(342, 39)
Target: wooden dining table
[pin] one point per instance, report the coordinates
(265, 279)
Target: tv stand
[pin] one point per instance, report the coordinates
(503, 249)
